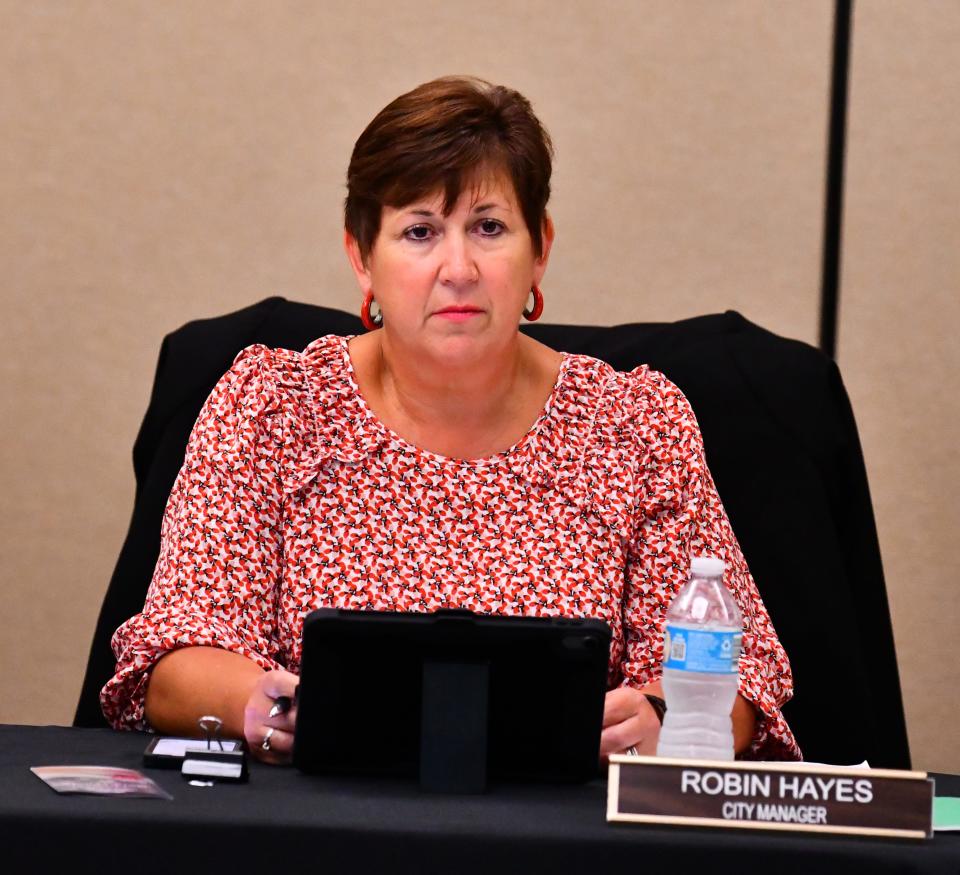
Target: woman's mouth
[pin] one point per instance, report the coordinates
(458, 313)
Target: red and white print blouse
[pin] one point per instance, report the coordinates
(294, 496)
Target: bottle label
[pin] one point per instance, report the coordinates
(702, 650)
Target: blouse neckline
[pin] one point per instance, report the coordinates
(399, 442)
(348, 430)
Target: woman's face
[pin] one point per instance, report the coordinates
(453, 286)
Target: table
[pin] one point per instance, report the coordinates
(285, 821)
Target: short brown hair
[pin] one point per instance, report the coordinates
(447, 134)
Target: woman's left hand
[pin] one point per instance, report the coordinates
(628, 721)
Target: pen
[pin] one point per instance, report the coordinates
(282, 704)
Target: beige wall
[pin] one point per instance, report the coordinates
(898, 345)
(167, 161)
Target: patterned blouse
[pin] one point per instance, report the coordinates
(294, 496)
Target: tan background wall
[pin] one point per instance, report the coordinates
(163, 162)
(898, 345)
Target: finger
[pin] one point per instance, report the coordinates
(279, 683)
(616, 739)
(637, 730)
(279, 745)
(285, 721)
(257, 715)
(269, 703)
(619, 705)
(647, 746)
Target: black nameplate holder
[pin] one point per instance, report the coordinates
(770, 796)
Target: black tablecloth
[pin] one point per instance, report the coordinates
(284, 821)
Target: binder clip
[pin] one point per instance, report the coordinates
(214, 763)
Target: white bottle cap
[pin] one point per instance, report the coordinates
(706, 566)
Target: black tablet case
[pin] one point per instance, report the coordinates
(451, 696)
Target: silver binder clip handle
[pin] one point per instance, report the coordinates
(211, 726)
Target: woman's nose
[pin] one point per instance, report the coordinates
(458, 267)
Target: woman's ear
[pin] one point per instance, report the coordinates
(360, 269)
(547, 233)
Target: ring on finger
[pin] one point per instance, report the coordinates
(266, 739)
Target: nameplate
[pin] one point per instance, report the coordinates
(770, 796)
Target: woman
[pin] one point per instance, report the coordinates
(441, 459)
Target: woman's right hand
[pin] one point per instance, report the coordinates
(271, 738)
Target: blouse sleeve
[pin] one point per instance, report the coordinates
(679, 515)
(220, 561)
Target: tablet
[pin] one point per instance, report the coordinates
(452, 696)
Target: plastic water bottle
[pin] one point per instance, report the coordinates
(701, 666)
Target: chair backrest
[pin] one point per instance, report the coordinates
(781, 442)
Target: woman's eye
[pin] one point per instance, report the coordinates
(490, 227)
(418, 232)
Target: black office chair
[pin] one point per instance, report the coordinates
(781, 442)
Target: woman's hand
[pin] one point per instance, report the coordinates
(271, 738)
(629, 720)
